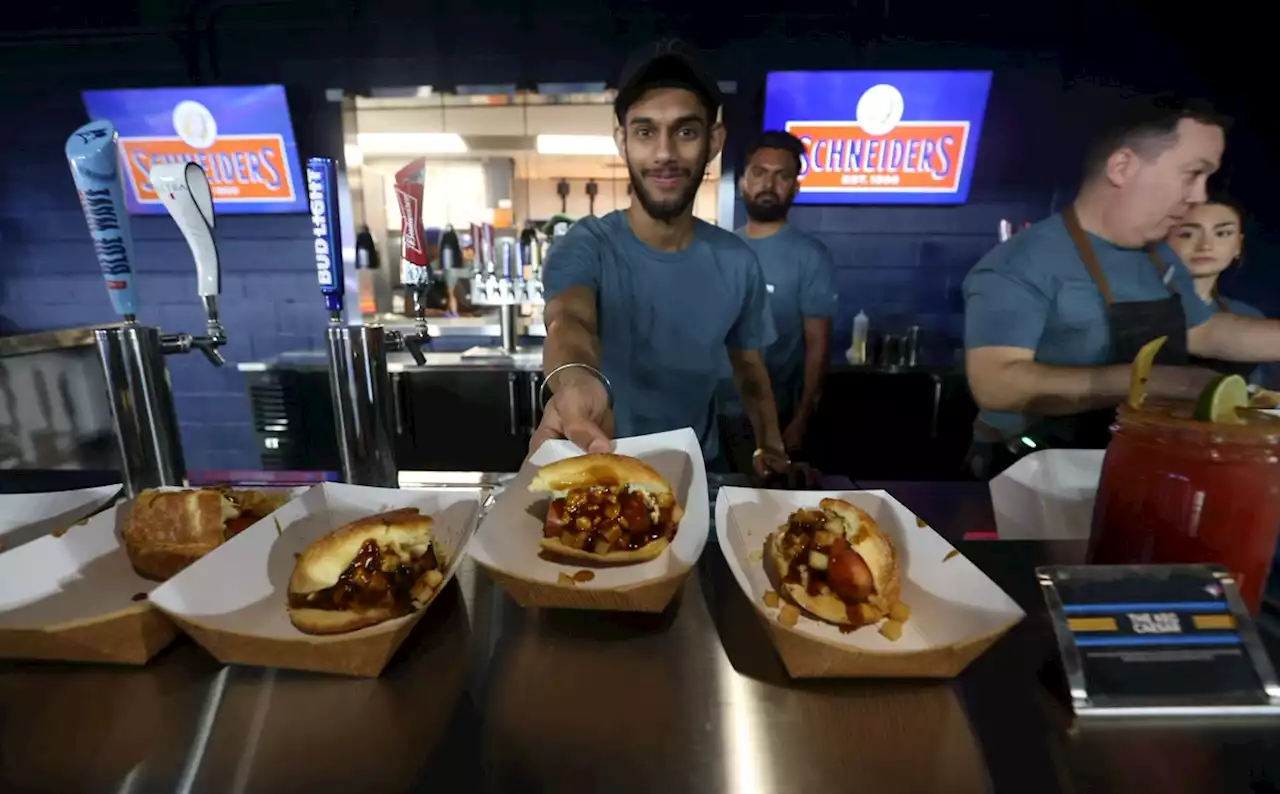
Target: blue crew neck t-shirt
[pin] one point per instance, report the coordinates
(800, 277)
(1034, 292)
(666, 320)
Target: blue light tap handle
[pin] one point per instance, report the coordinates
(322, 199)
(94, 159)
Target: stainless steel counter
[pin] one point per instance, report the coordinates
(524, 361)
(489, 697)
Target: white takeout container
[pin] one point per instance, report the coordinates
(75, 597)
(507, 544)
(956, 611)
(1047, 495)
(27, 516)
(233, 602)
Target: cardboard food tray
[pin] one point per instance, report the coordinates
(507, 544)
(1047, 495)
(956, 611)
(75, 597)
(25, 517)
(233, 602)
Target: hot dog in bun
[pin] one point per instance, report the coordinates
(836, 564)
(607, 508)
(369, 571)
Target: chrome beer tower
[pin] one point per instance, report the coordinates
(141, 398)
(501, 279)
(359, 379)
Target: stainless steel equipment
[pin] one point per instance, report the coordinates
(141, 400)
(359, 380)
(361, 387)
(506, 284)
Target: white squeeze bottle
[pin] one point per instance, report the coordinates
(858, 350)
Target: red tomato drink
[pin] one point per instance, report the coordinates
(1174, 490)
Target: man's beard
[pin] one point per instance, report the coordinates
(669, 209)
(767, 213)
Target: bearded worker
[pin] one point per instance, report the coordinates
(649, 307)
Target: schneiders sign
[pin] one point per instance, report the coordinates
(879, 151)
(242, 136)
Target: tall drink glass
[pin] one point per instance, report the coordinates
(1175, 490)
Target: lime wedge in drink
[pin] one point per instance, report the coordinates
(1141, 372)
(1220, 400)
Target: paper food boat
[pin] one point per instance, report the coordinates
(76, 598)
(956, 611)
(233, 601)
(507, 544)
(1047, 495)
(27, 516)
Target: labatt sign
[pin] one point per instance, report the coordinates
(879, 152)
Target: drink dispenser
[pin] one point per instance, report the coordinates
(141, 400)
(359, 379)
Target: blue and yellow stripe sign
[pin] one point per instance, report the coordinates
(1151, 623)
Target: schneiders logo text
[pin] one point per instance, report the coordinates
(316, 194)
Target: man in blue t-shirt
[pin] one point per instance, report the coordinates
(650, 307)
(1055, 316)
(800, 276)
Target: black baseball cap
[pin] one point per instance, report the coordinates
(666, 64)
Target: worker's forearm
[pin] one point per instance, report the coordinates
(815, 370)
(757, 401)
(569, 340)
(1232, 337)
(1032, 387)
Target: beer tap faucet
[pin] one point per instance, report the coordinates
(132, 354)
(184, 190)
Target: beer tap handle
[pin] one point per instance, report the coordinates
(93, 156)
(183, 188)
(322, 192)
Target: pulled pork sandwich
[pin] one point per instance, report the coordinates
(836, 564)
(607, 508)
(168, 530)
(367, 572)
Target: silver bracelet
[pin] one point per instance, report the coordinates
(544, 397)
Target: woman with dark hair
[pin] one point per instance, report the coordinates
(1210, 239)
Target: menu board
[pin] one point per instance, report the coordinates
(881, 137)
(241, 136)
(1158, 640)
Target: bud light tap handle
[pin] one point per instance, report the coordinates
(322, 200)
(94, 161)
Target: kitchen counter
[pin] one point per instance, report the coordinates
(488, 697)
(311, 360)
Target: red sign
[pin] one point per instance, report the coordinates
(239, 167)
(913, 157)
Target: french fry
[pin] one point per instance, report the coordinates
(900, 612)
(771, 599)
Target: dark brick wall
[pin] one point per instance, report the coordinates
(900, 264)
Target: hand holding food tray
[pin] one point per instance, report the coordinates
(76, 595)
(333, 582)
(905, 604)
(617, 532)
